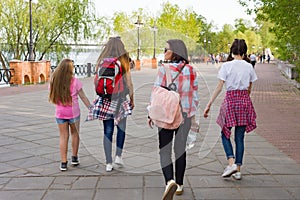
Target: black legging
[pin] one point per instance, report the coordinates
(165, 146)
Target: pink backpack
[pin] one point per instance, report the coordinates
(165, 108)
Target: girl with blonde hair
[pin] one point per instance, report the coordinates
(64, 92)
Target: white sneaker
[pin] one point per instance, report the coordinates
(170, 190)
(119, 161)
(109, 167)
(179, 190)
(229, 170)
(237, 176)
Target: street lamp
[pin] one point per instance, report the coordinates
(209, 46)
(154, 62)
(154, 28)
(204, 47)
(138, 24)
(228, 44)
(31, 57)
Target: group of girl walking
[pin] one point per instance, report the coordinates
(236, 110)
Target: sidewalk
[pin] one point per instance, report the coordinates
(29, 148)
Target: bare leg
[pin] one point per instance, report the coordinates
(63, 140)
(75, 137)
(231, 161)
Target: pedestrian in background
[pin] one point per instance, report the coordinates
(236, 110)
(114, 111)
(187, 86)
(253, 59)
(64, 92)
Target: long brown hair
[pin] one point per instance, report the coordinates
(114, 48)
(60, 83)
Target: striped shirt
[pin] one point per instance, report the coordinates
(187, 85)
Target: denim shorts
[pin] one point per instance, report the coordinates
(70, 121)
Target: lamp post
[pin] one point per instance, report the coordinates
(154, 28)
(154, 62)
(209, 46)
(31, 57)
(228, 44)
(138, 24)
(204, 41)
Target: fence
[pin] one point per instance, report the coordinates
(86, 70)
(5, 76)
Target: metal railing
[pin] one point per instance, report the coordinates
(5, 76)
(85, 70)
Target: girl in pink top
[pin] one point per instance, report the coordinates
(64, 91)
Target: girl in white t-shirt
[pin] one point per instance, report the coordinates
(237, 109)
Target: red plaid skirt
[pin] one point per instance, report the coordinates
(236, 110)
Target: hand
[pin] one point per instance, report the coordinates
(206, 111)
(150, 123)
(132, 104)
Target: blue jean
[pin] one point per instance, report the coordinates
(239, 134)
(108, 135)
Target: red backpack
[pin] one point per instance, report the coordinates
(109, 82)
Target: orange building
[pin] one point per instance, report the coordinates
(29, 72)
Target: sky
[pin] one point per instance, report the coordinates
(219, 12)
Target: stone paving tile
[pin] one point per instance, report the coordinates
(266, 193)
(294, 191)
(30, 152)
(22, 194)
(69, 194)
(274, 96)
(120, 194)
(29, 183)
(218, 193)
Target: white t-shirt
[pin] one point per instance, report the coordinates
(253, 57)
(237, 74)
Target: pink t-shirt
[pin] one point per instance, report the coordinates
(70, 111)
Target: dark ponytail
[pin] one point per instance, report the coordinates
(238, 47)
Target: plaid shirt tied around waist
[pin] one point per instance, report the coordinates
(104, 109)
(236, 110)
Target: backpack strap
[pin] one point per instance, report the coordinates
(168, 75)
(170, 82)
(179, 72)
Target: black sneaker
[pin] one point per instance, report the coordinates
(75, 160)
(64, 166)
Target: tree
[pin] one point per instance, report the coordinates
(55, 23)
(284, 16)
(172, 22)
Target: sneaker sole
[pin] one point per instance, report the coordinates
(63, 169)
(236, 178)
(75, 163)
(169, 194)
(233, 172)
(119, 165)
(179, 192)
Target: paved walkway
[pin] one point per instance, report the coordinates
(29, 148)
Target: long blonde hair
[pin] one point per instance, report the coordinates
(114, 48)
(60, 83)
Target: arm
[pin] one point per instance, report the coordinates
(84, 99)
(130, 87)
(249, 88)
(213, 97)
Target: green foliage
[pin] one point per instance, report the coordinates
(55, 23)
(284, 17)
